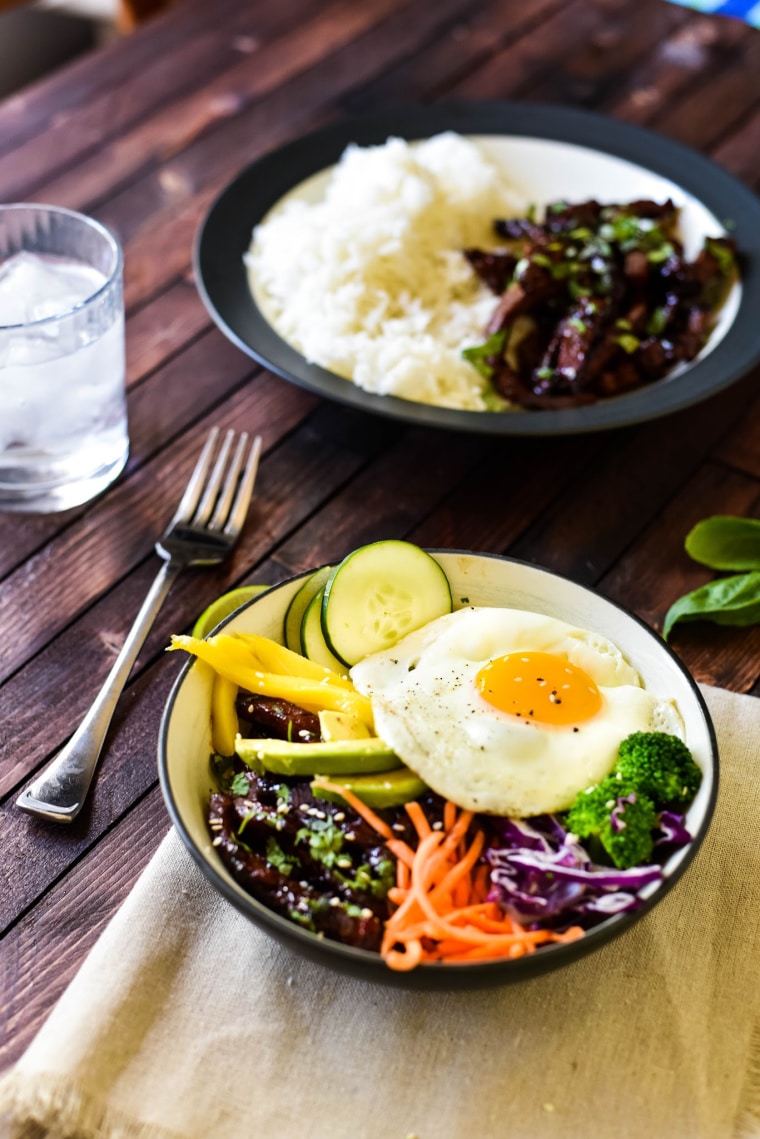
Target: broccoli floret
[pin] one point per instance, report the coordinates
(661, 766)
(616, 816)
(627, 834)
(592, 807)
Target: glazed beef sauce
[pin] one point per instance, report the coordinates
(315, 862)
(603, 297)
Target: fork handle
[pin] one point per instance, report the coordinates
(59, 792)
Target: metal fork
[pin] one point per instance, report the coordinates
(204, 529)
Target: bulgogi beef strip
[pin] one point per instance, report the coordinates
(315, 862)
(594, 301)
(267, 717)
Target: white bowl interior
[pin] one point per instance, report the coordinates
(476, 579)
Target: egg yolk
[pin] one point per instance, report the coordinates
(539, 688)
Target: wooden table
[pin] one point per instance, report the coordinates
(143, 134)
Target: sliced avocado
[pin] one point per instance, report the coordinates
(386, 789)
(341, 726)
(337, 757)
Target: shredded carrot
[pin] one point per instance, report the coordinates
(419, 819)
(403, 852)
(440, 899)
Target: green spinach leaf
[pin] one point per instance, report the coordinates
(726, 601)
(724, 542)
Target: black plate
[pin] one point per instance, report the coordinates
(225, 234)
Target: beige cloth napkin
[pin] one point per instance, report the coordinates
(186, 1021)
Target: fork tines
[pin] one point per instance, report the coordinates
(227, 493)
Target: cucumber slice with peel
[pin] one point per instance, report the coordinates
(377, 595)
(299, 604)
(313, 645)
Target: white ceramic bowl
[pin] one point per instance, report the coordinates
(481, 579)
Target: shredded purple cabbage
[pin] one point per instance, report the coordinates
(543, 875)
(672, 830)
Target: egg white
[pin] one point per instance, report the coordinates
(428, 709)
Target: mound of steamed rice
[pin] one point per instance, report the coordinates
(370, 281)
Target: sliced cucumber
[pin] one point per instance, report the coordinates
(382, 789)
(377, 595)
(299, 604)
(313, 643)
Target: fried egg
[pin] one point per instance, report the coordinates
(508, 711)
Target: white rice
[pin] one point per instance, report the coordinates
(370, 281)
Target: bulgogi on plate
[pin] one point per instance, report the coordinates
(595, 301)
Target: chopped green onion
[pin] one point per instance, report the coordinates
(657, 322)
(577, 291)
(479, 354)
(656, 256)
(628, 343)
(722, 254)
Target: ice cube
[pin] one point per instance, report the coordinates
(34, 287)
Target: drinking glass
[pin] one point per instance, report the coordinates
(63, 419)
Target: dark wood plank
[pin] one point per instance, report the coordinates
(522, 66)
(711, 109)
(657, 570)
(71, 136)
(741, 448)
(738, 151)
(172, 128)
(694, 49)
(57, 96)
(591, 524)
(436, 67)
(595, 67)
(160, 331)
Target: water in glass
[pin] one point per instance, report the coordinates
(63, 428)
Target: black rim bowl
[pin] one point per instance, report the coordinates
(225, 234)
